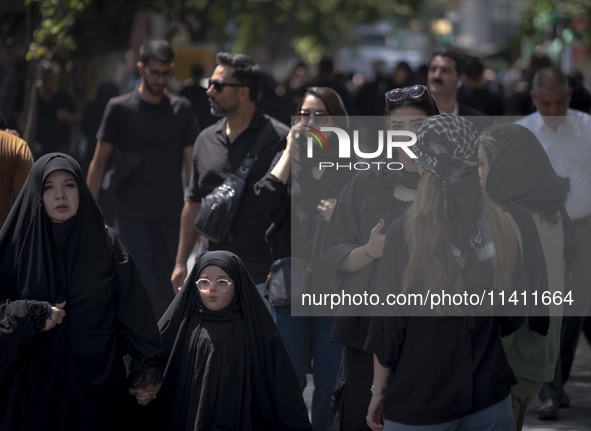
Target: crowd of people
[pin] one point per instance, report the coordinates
(107, 319)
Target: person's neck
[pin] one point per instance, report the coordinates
(446, 105)
(238, 121)
(149, 97)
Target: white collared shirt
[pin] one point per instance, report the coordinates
(569, 150)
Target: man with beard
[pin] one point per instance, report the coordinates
(159, 129)
(218, 152)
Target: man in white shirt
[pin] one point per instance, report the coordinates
(565, 135)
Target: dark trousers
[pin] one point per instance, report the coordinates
(351, 396)
(572, 324)
(153, 247)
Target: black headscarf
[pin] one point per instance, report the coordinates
(73, 375)
(522, 180)
(259, 389)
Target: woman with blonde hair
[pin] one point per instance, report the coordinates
(446, 370)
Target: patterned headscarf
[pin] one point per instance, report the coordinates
(446, 146)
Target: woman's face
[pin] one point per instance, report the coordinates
(483, 166)
(213, 299)
(60, 196)
(407, 118)
(313, 112)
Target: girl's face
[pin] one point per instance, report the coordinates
(212, 294)
(60, 196)
(483, 166)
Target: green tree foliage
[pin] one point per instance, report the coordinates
(542, 18)
(56, 18)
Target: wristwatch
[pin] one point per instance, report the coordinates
(374, 391)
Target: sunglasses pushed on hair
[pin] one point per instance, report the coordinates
(414, 92)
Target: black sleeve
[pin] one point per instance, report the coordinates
(20, 323)
(137, 325)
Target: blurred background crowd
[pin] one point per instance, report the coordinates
(61, 61)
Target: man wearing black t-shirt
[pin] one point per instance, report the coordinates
(161, 128)
(218, 152)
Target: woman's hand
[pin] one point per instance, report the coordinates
(57, 316)
(375, 246)
(375, 413)
(144, 395)
(325, 208)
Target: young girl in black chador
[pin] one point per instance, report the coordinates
(227, 366)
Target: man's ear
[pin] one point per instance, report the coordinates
(140, 67)
(244, 93)
(534, 98)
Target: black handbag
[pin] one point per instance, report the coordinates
(219, 208)
(120, 168)
(285, 273)
(289, 276)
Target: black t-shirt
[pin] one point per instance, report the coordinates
(159, 133)
(53, 135)
(214, 159)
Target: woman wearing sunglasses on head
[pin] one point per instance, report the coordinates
(227, 366)
(352, 248)
(295, 185)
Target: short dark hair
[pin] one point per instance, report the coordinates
(455, 55)
(549, 77)
(246, 71)
(158, 50)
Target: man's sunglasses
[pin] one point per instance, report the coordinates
(320, 117)
(415, 92)
(219, 85)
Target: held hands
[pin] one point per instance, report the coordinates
(57, 316)
(144, 395)
(375, 246)
(325, 208)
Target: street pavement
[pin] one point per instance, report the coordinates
(577, 417)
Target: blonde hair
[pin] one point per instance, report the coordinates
(431, 264)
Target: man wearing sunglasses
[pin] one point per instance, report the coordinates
(160, 129)
(219, 149)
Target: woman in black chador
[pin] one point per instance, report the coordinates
(227, 366)
(71, 306)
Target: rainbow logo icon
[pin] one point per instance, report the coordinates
(316, 134)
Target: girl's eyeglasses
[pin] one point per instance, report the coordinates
(415, 92)
(320, 117)
(204, 285)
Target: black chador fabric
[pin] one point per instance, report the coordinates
(73, 376)
(521, 179)
(226, 369)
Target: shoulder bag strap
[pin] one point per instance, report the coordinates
(248, 162)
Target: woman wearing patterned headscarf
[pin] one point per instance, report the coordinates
(352, 249)
(448, 370)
